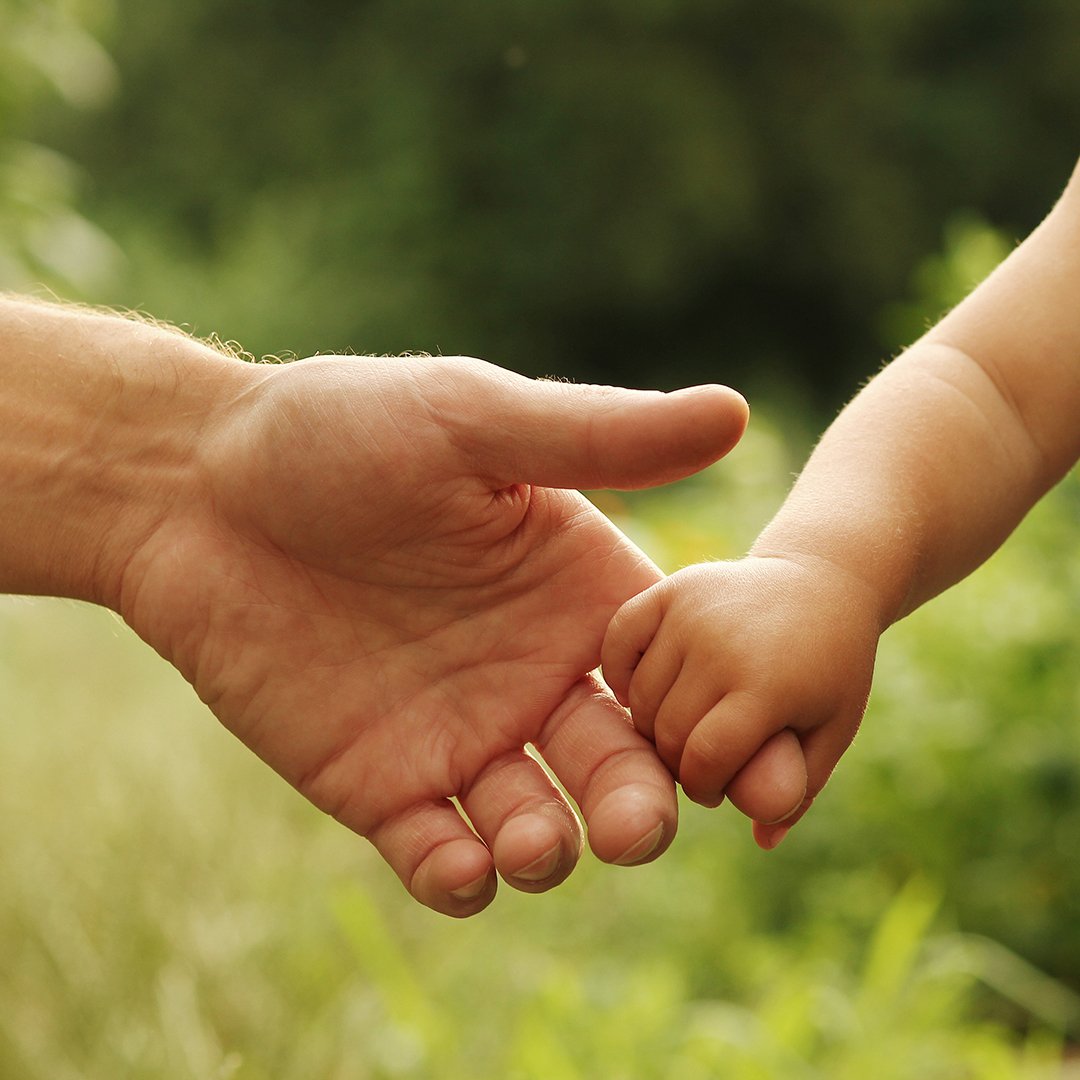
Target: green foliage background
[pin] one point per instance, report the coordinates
(655, 192)
(773, 195)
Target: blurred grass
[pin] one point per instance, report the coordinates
(169, 908)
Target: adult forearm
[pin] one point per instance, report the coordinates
(99, 418)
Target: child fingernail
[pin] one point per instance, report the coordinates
(777, 835)
(643, 848)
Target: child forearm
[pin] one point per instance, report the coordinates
(751, 677)
(940, 456)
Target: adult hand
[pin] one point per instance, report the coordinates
(372, 573)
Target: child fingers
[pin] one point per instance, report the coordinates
(771, 786)
(822, 748)
(825, 745)
(681, 707)
(768, 836)
(625, 793)
(627, 641)
(655, 680)
(723, 741)
(438, 857)
(533, 834)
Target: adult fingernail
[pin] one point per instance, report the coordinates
(472, 890)
(643, 848)
(542, 868)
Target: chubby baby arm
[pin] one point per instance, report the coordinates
(750, 677)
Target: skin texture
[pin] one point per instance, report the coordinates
(916, 483)
(369, 569)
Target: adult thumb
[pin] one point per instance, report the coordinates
(568, 435)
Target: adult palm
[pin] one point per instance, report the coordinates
(379, 582)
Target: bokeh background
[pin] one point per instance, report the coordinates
(775, 195)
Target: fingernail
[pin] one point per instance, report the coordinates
(777, 835)
(542, 868)
(709, 389)
(472, 890)
(643, 848)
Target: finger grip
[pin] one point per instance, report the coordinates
(771, 786)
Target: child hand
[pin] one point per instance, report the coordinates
(750, 677)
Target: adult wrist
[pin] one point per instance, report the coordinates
(100, 420)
